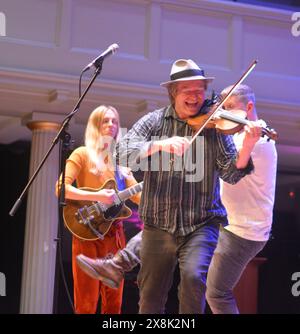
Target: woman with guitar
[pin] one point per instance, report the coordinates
(91, 166)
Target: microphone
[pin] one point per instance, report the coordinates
(98, 61)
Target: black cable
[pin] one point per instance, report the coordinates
(80, 78)
(59, 237)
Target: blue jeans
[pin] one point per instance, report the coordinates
(227, 265)
(160, 253)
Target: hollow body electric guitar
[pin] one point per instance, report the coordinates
(92, 220)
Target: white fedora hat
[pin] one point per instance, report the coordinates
(186, 70)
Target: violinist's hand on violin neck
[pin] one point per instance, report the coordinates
(177, 145)
(253, 132)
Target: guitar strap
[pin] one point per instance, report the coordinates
(120, 179)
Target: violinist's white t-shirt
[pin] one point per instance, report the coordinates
(249, 203)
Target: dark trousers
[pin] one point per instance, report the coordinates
(160, 253)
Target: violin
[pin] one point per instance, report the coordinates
(227, 122)
(211, 118)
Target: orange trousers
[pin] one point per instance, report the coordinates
(88, 290)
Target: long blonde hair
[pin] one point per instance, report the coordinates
(100, 156)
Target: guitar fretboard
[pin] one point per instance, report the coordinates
(127, 193)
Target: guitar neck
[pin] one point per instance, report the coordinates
(127, 193)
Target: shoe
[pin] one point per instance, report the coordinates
(105, 270)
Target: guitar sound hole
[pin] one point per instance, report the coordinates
(113, 211)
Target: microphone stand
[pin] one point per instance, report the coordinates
(65, 138)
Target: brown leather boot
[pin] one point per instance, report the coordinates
(107, 270)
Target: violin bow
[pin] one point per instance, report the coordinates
(215, 108)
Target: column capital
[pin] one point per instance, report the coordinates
(43, 125)
(43, 121)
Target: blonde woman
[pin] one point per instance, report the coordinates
(90, 166)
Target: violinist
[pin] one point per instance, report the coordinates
(181, 218)
(249, 205)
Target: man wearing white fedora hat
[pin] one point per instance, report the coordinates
(181, 217)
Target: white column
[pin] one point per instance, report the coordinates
(39, 255)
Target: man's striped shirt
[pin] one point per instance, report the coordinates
(175, 200)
